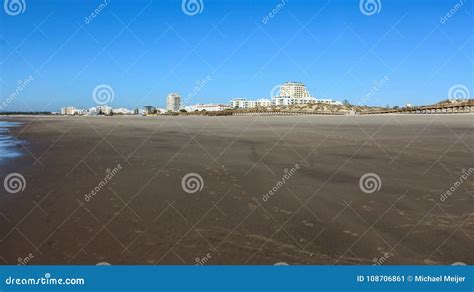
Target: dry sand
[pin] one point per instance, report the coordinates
(318, 216)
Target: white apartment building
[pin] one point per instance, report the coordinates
(286, 100)
(243, 103)
(103, 109)
(239, 103)
(69, 110)
(173, 102)
(206, 107)
(291, 93)
(294, 90)
(328, 101)
(122, 111)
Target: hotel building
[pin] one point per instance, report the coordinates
(291, 93)
(69, 110)
(294, 90)
(173, 102)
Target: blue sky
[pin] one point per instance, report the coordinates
(145, 49)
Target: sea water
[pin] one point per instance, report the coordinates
(8, 144)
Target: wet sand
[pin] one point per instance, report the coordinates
(319, 215)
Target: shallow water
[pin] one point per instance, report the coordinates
(8, 144)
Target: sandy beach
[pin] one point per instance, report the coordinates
(283, 189)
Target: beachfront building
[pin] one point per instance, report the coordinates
(239, 103)
(68, 111)
(286, 100)
(173, 102)
(104, 110)
(122, 111)
(328, 101)
(243, 103)
(149, 110)
(295, 90)
(206, 107)
(290, 93)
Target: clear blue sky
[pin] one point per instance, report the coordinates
(336, 50)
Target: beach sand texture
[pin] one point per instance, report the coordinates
(318, 215)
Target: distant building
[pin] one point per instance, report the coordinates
(287, 100)
(294, 90)
(328, 101)
(122, 111)
(69, 110)
(239, 103)
(291, 93)
(149, 110)
(206, 107)
(173, 102)
(104, 110)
